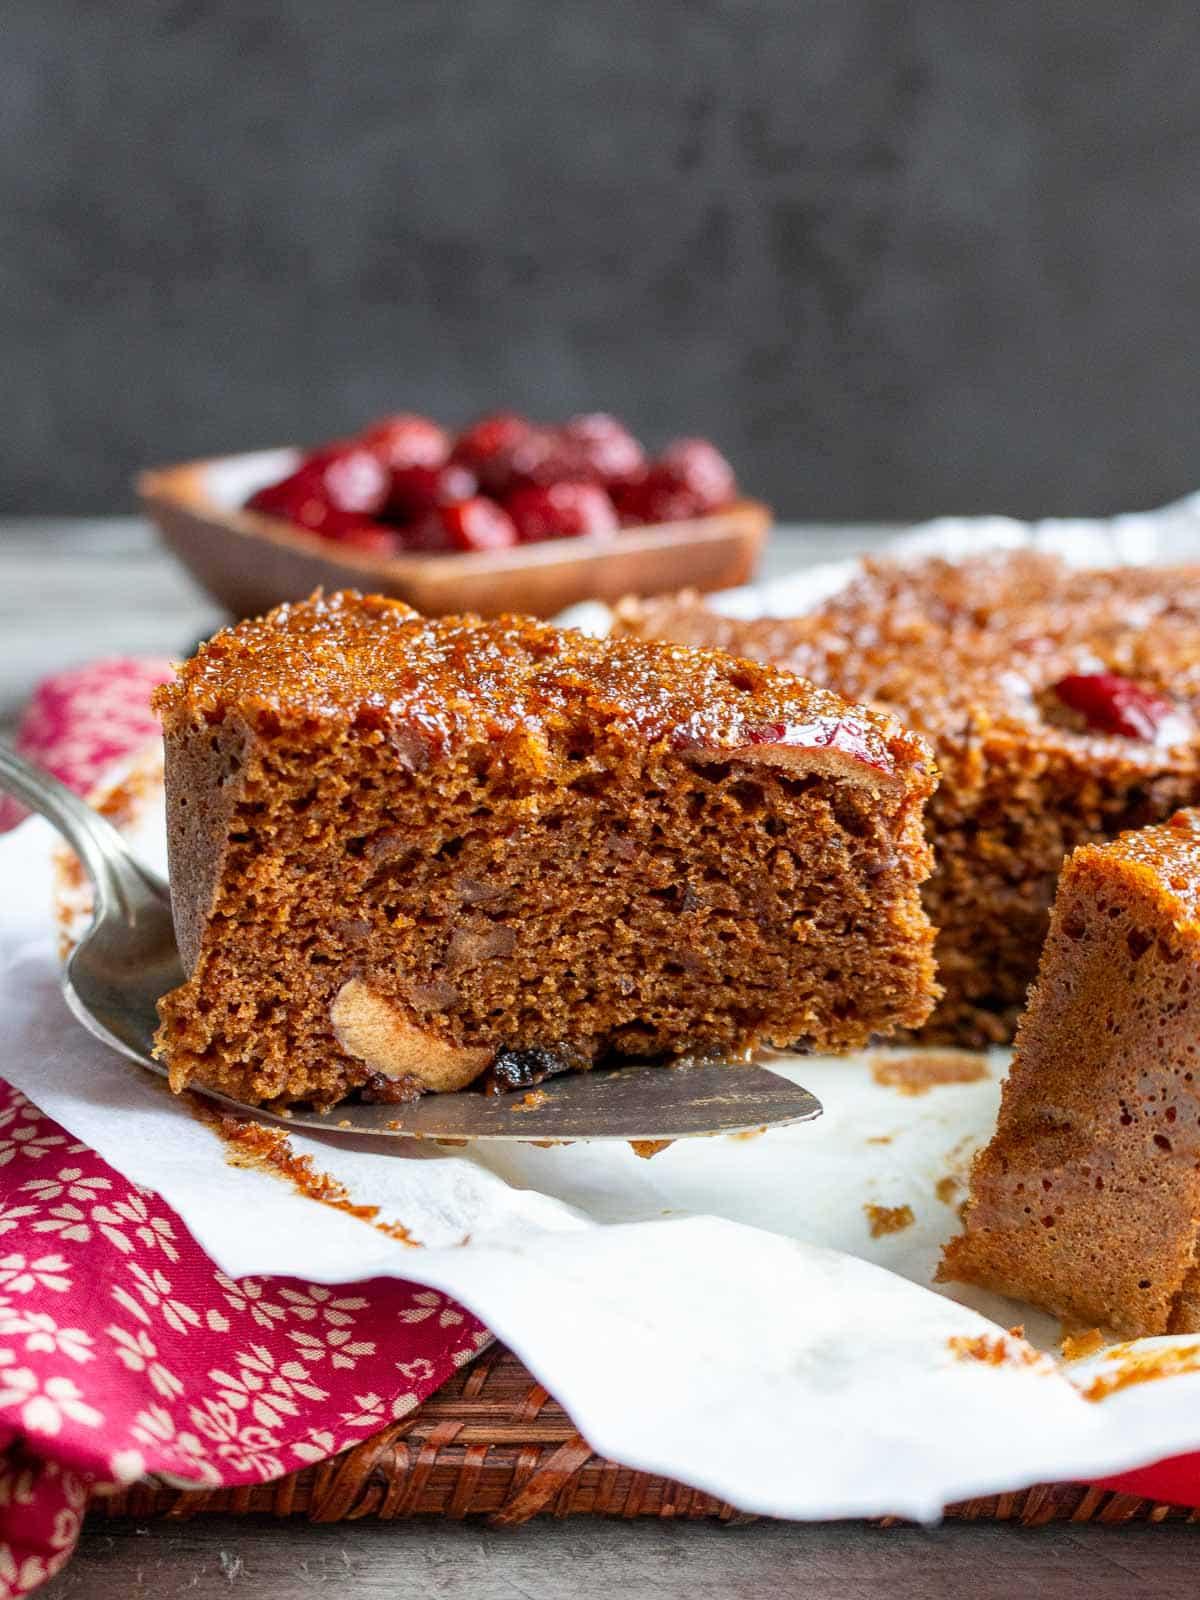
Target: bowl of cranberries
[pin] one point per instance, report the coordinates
(505, 515)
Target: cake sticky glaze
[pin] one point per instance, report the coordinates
(1062, 706)
(1087, 1199)
(410, 854)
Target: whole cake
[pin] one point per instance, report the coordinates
(1063, 707)
(409, 854)
(1087, 1199)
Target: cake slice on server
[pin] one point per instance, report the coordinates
(410, 855)
(1087, 1200)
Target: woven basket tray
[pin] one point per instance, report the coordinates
(493, 1443)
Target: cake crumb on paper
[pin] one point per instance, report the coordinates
(928, 1069)
(250, 1144)
(648, 1147)
(1077, 1346)
(999, 1350)
(948, 1188)
(888, 1219)
(1133, 1366)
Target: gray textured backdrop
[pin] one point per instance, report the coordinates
(899, 258)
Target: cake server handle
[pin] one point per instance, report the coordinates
(121, 883)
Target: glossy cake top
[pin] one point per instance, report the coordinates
(1167, 857)
(1008, 641)
(349, 659)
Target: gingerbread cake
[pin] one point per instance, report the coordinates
(407, 855)
(1063, 707)
(1087, 1199)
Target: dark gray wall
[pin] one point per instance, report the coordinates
(899, 258)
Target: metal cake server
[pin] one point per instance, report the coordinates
(128, 958)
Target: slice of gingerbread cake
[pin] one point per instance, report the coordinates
(1063, 707)
(1087, 1200)
(407, 855)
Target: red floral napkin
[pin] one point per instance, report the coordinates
(123, 1350)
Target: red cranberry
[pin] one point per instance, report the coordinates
(488, 447)
(475, 524)
(561, 511)
(407, 440)
(655, 497)
(370, 537)
(1110, 703)
(822, 733)
(603, 448)
(355, 481)
(416, 489)
(299, 498)
(341, 479)
(843, 734)
(699, 467)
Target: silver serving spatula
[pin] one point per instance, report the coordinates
(128, 958)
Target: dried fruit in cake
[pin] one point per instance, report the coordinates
(1109, 703)
(408, 854)
(1063, 707)
(1087, 1200)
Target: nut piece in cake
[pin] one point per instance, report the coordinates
(407, 855)
(1087, 1199)
(1063, 707)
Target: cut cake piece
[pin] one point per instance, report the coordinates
(1063, 707)
(407, 854)
(1087, 1200)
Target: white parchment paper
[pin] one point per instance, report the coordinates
(723, 1313)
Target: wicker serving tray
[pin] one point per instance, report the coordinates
(493, 1443)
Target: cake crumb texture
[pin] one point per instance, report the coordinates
(1087, 1199)
(402, 849)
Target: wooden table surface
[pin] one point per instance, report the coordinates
(72, 591)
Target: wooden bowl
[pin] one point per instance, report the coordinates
(250, 562)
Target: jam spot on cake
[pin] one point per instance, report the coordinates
(882, 1220)
(777, 741)
(924, 1070)
(1109, 703)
